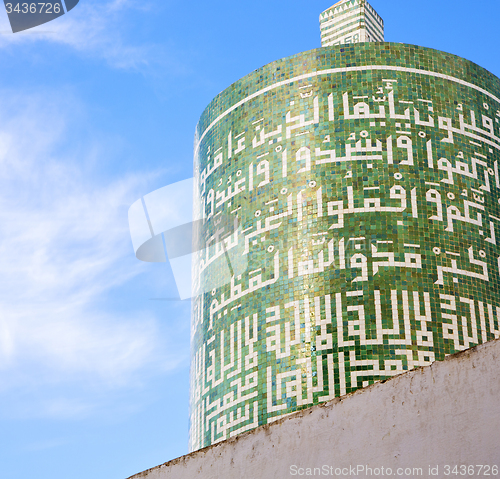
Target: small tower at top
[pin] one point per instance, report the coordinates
(350, 21)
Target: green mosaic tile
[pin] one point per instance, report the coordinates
(366, 185)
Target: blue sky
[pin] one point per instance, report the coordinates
(98, 108)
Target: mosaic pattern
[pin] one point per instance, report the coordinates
(365, 181)
(350, 21)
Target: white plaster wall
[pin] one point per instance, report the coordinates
(444, 414)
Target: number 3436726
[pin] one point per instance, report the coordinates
(475, 471)
(33, 7)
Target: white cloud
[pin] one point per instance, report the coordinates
(45, 445)
(64, 245)
(94, 28)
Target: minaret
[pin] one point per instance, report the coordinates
(350, 21)
(350, 224)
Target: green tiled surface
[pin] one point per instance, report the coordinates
(366, 183)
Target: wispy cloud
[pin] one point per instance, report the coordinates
(64, 245)
(45, 445)
(98, 29)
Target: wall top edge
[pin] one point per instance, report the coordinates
(470, 356)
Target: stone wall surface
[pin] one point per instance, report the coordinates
(446, 414)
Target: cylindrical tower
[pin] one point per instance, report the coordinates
(365, 181)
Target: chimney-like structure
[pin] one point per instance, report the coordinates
(350, 21)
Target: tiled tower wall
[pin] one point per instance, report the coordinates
(350, 21)
(366, 182)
